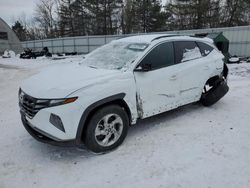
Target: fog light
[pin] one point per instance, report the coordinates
(56, 121)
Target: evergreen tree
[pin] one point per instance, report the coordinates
(194, 14)
(89, 17)
(148, 16)
(128, 15)
(66, 18)
(20, 31)
(105, 15)
(60, 18)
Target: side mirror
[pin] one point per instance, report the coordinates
(143, 68)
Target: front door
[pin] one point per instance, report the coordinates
(158, 88)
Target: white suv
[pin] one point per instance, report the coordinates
(94, 102)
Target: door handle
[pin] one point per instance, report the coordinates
(173, 77)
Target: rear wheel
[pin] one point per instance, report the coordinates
(106, 129)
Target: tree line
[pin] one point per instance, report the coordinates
(66, 18)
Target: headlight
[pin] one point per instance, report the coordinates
(41, 103)
(56, 102)
(30, 105)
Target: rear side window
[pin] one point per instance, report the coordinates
(205, 48)
(161, 56)
(186, 51)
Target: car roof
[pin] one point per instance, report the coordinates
(148, 38)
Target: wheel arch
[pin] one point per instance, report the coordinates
(212, 80)
(117, 99)
(217, 79)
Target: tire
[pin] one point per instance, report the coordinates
(106, 129)
(213, 95)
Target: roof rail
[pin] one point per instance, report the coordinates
(165, 36)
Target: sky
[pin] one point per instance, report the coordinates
(11, 10)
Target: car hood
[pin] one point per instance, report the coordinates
(60, 81)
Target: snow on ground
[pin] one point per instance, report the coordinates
(193, 146)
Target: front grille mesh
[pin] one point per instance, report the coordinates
(30, 105)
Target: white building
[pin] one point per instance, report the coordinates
(8, 39)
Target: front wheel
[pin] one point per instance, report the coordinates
(106, 129)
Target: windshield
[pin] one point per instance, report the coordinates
(115, 55)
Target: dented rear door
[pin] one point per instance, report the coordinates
(194, 70)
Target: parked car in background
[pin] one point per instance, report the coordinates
(94, 103)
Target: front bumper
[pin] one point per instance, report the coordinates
(41, 136)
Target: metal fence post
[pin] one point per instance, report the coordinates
(52, 46)
(88, 44)
(74, 42)
(63, 45)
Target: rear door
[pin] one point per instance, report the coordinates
(213, 57)
(194, 70)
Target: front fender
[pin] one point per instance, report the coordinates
(89, 109)
(121, 86)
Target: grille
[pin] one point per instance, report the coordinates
(30, 105)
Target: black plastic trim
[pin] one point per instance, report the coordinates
(225, 70)
(57, 122)
(165, 36)
(89, 109)
(213, 95)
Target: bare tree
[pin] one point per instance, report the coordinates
(45, 17)
(236, 12)
(32, 30)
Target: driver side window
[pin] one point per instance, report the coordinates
(161, 56)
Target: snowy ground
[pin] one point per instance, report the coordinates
(192, 146)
